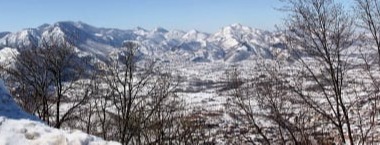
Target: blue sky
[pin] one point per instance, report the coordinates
(204, 15)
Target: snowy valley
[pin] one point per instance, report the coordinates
(199, 59)
(222, 81)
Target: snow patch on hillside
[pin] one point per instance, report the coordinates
(7, 54)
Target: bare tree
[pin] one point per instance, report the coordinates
(125, 88)
(266, 103)
(66, 69)
(102, 104)
(368, 12)
(47, 75)
(243, 98)
(140, 97)
(318, 33)
(31, 81)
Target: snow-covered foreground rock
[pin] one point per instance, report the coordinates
(20, 128)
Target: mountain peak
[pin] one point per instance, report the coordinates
(160, 30)
(43, 26)
(195, 35)
(62, 23)
(236, 25)
(140, 29)
(193, 31)
(78, 25)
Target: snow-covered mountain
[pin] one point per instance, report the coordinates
(20, 128)
(232, 43)
(199, 59)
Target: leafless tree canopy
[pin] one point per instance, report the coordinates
(316, 100)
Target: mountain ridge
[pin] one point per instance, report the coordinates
(231, 43)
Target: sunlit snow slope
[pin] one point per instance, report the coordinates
(20, 128)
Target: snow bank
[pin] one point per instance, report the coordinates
(20, 128)
(8, 107)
